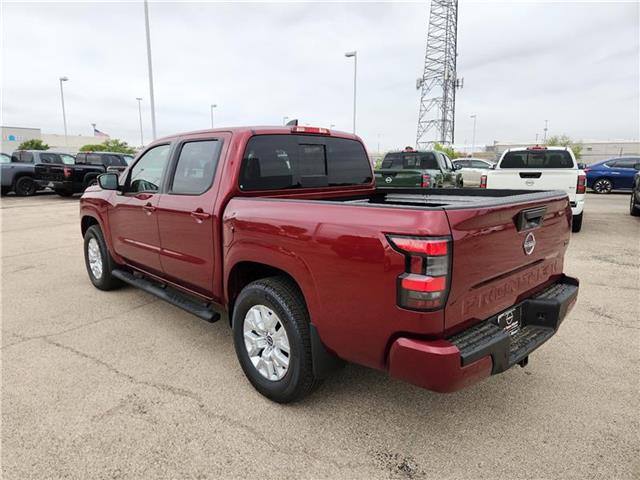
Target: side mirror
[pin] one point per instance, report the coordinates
(108, 181)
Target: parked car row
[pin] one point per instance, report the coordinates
(24, 172)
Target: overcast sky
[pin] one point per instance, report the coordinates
(576, 64)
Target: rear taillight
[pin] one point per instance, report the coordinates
(67, 172)
(582, 184)
(426, 181)
(424, 285)
(483, 181)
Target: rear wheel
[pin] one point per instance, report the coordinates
(90, 182)
(25, 187)
(603, 185)
(271, 337)
(576, 224)
(634, 208)
(98, 260)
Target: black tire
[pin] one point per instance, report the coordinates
(105, 281)
(89, 182)
(64, 193)
(576, 224)
(603, 185)
(282, 297)
(25, 187)
(634, 208)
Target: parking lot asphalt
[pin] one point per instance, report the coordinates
(121, 385)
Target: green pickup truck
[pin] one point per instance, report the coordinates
(411, 168)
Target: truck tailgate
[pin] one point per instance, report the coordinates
(399, 178)
(535, 179)
(490, 269)
(50, 172)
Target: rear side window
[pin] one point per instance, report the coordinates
(537, 159)
(410, 161)
(274, 162)
(22, 157)
(624, 163)
(50, 158)
(196, 167)
(94, 159)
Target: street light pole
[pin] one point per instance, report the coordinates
(213, 105)
(64, 113)
(151, 96)
(354, 54)
(546, 127)
(139, 99)
(473, 141)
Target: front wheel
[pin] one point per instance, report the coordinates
(271, 338)
(25, 187)
(603, 185)
(98, 260)
(576, 224)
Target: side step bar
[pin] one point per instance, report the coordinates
(171, 295)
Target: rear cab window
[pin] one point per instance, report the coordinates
(277, 162)
(537, 159)
(410, 161)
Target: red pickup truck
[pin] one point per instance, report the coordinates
(282, 231)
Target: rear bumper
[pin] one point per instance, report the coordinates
(56, 184)
(577, 207)
(484, 349)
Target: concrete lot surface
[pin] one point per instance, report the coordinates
(121, 385)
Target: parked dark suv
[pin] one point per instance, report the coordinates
(70, 179)
(18, 174)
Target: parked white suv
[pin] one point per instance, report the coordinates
(541, 168)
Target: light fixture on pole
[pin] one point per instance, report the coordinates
(139, 99)
(213, 105)
(64, 113)
(354, 54)
(151, 96)
(473, 141)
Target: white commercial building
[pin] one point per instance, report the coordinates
(12, 137)
(592, 150)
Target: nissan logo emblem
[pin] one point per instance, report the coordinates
(529, 243)
(388, 179)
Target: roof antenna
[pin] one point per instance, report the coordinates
(292, 123)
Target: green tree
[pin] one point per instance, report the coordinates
(448, 151)
(33, 144)
(565, 141)
(112, 145)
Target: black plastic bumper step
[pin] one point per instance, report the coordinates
(538, 318)
(171, 295)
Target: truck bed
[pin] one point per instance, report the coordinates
(448, 199)
(337, 245)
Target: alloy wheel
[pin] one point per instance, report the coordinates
(266, 342)
(95, 258)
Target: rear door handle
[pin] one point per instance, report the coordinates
(200, 215)
(148, 208)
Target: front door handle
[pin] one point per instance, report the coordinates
(148, 208)
(200, 215)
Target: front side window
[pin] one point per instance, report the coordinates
(196, 167)
(274, 162)
(5, 158)
(146, 174)
(81, 158)
(479, 164)
(22, 157)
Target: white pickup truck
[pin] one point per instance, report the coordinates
(541, 168)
